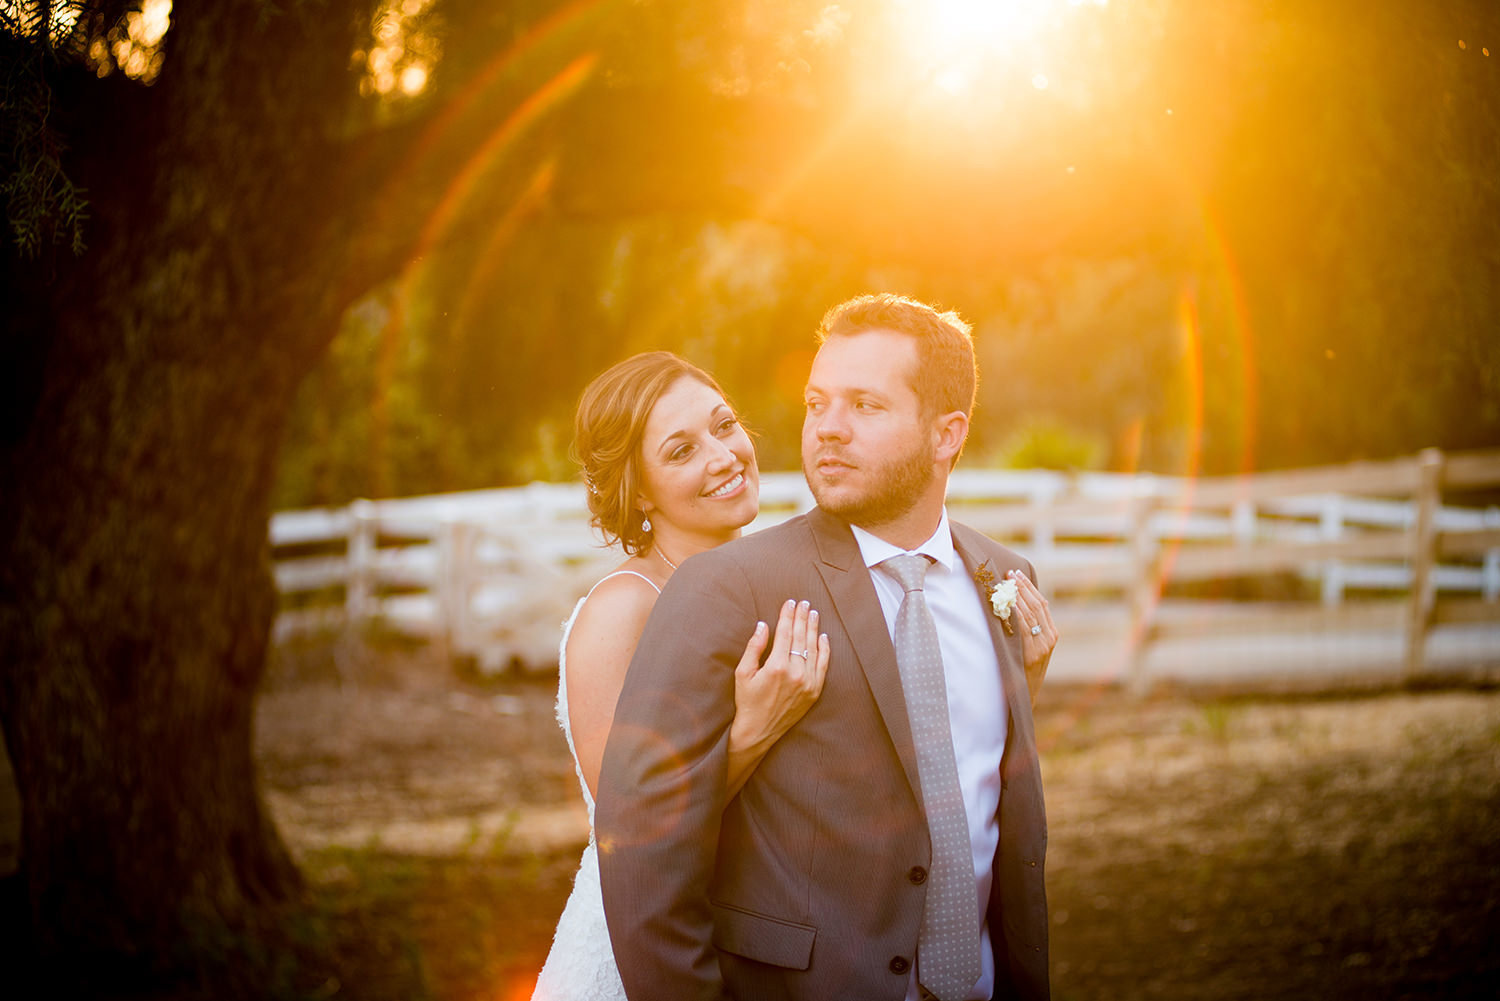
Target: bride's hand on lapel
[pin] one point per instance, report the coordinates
(770, 697)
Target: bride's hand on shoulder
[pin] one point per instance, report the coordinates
(1038, 632)
(770, 697)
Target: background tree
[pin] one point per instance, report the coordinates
(228, 174)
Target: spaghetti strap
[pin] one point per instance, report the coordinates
(617, 573)
(562, 685)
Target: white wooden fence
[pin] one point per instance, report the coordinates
(1366, 570)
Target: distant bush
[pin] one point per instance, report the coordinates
(1045, 443)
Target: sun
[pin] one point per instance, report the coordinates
(977, 22)
(954, 42)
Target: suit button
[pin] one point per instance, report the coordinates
(916, 875)
(900, 964)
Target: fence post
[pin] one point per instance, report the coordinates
(1423, 553)
(1489, 587)
(443, 587)
(1331, 528)
(1043, 536)
(1143, 595)
(455, 587)
(1242, 518)
(359, 587)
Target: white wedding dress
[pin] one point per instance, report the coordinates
(581, 965)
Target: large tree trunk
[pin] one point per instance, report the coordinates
(137, 604)
(237, 207)
(140, 434)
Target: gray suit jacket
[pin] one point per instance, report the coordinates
(810, 883)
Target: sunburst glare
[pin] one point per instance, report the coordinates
(955, 42)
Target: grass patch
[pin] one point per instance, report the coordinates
(479, 926)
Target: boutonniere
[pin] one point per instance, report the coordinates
(1001, 593)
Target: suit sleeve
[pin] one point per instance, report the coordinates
(662, 787)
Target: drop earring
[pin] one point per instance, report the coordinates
(646, 524)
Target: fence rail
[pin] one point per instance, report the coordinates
(1381, 567)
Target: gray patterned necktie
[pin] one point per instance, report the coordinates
(948, 943)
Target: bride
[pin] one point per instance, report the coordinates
(670, 473)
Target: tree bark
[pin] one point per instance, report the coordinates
(137, 602)
(150, 379)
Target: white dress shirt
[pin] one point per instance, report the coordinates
(976, 705)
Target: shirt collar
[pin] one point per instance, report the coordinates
(939, 546)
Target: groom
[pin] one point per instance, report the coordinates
(891, 845)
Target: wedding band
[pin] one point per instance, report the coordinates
(1036, 630)
(799, 653)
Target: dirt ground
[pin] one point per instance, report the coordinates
(1338, 846)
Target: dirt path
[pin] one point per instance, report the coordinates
(1310, 848)
(419, 770)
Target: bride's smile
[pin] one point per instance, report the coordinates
(733, 485)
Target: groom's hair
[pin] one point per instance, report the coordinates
(946, 374)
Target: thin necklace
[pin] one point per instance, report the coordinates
(665, 560)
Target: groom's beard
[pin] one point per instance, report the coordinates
(891, 487)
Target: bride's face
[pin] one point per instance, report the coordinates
(698, 470)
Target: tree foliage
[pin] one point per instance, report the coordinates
(42, 204)
(1206, 253)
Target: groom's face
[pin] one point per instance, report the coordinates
(867, 451)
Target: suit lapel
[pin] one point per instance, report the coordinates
(1007, 648)
(848, 581)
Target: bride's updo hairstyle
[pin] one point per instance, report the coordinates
(607, 432)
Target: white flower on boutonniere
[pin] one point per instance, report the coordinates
(1002, 594)
(1004, 598)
